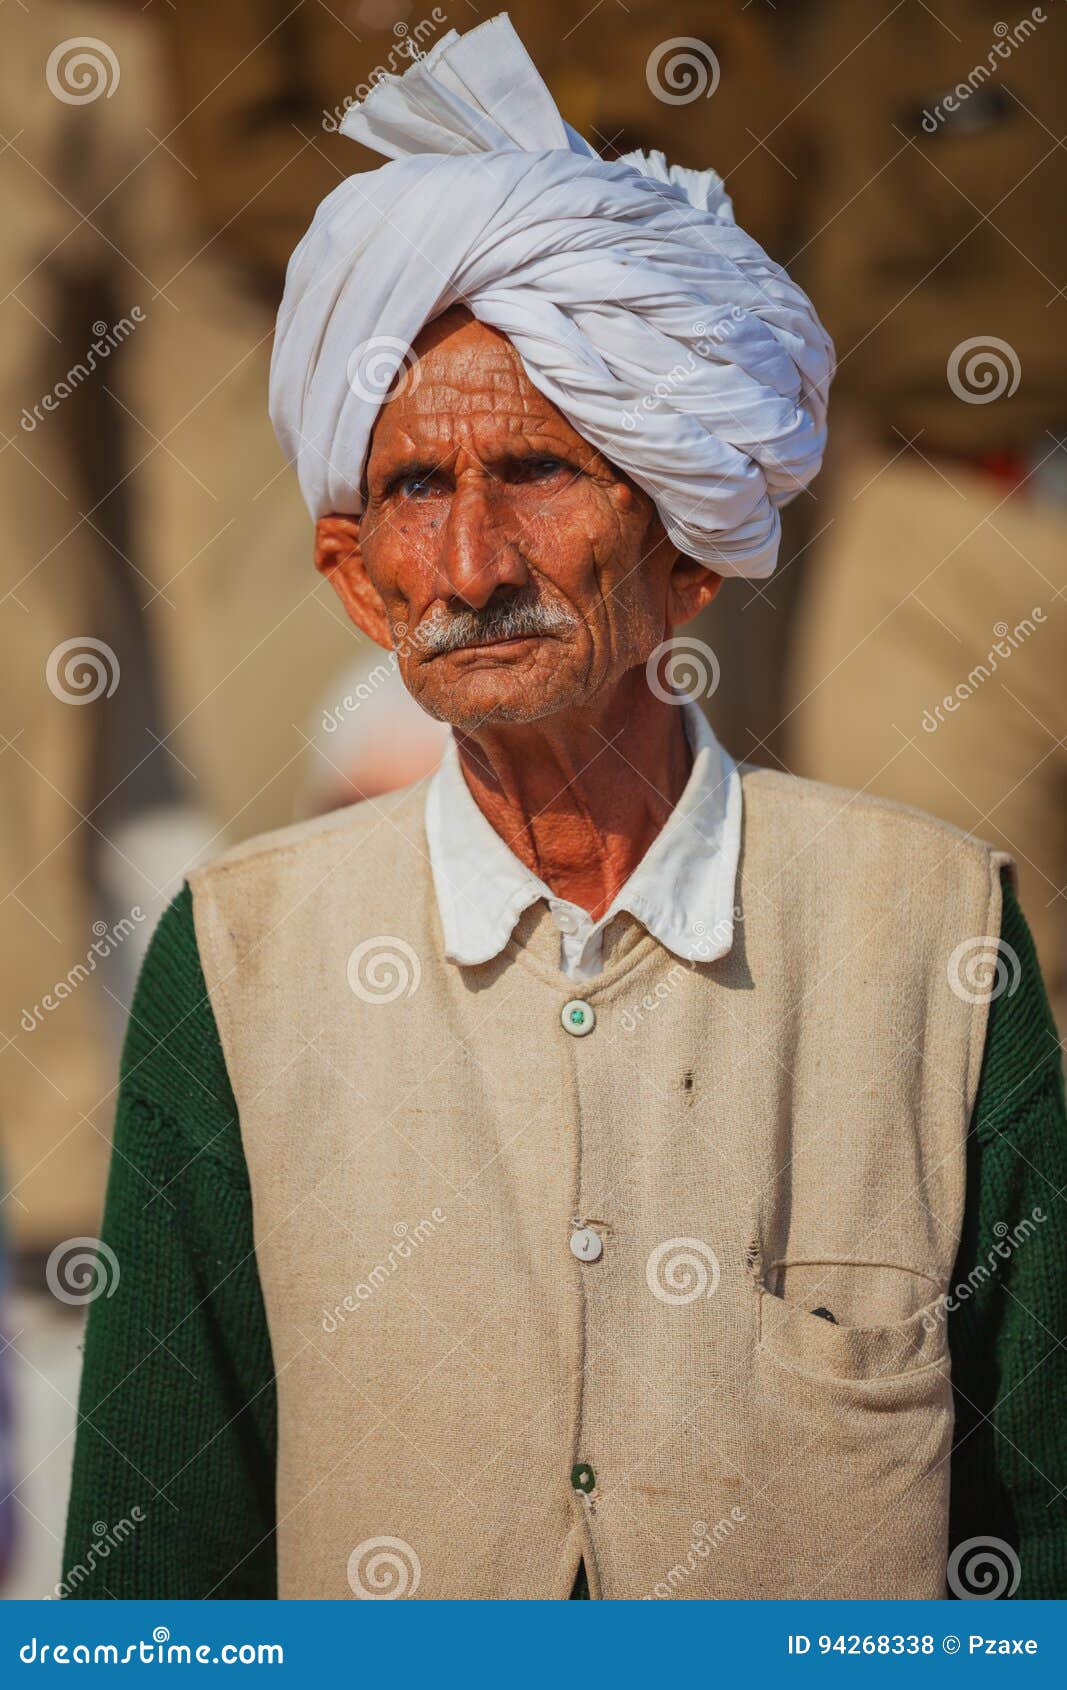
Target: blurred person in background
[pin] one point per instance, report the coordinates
(927, 662)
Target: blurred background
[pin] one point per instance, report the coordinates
(175, 676)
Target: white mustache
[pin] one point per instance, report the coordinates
(507, 620)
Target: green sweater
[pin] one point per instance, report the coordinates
(177, 1418)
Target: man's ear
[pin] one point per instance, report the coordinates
(338, 557)
(692, 586)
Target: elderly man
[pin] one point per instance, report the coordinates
(598, 1170)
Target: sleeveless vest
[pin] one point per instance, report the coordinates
(747, 1393)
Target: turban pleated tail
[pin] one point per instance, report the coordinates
(662, 331)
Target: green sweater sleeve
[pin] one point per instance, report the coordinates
(1008, 1305)
(173, 1483)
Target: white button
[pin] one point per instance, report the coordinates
(578, 1017)
(586, 1244)
(566, 921)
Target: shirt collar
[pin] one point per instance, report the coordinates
(682, 891)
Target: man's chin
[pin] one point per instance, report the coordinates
(474, 697)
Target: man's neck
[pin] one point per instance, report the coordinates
(580, 796)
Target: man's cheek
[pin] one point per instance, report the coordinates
(565, 535)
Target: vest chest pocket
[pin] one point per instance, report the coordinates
(850, 1428)
(861, 1321)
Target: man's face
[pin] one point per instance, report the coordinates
(514, 569)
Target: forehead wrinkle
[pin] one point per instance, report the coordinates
(474, 393)
(482, 386)
(491, 432)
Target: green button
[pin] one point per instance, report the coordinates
(578, 1017)
(582, 1477)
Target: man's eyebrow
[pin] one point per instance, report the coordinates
(412, 463)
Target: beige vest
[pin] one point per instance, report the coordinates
(776, 1132)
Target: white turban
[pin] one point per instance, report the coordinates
(661, 331)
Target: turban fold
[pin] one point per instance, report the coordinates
(661, 331)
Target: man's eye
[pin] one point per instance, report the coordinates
(414, 486)
(541, 469)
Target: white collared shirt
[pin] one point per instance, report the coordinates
(682, 890)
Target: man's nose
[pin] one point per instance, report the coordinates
(477, 552)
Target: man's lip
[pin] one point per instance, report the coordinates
(492, 645)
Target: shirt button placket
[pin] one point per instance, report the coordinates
(579, 1018)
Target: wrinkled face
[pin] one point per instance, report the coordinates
(514, 569)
